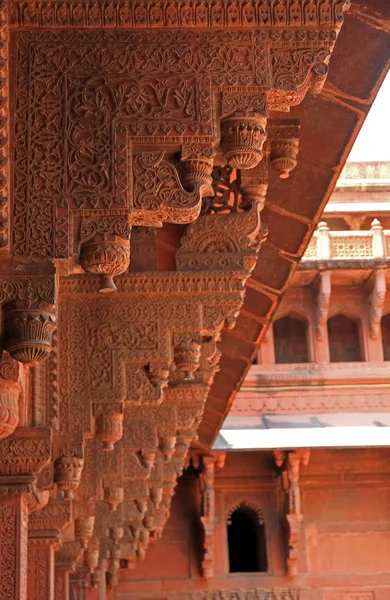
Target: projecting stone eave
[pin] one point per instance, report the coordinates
(330, 125)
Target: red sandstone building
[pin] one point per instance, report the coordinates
(294, 501)
(188, 410)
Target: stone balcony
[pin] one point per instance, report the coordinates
(328, 245)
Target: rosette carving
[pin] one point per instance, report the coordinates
(105, 248)
(242, 140)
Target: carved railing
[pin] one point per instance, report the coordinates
(347, 245)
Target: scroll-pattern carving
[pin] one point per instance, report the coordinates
(8, 556)
(105, 100)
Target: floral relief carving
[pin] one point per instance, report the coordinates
(8, 551)
(107, 101)
(290, 463)
(117, 125)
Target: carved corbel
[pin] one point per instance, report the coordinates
(198, 161)
(376, 302)
(68, 467)
(84, 526)
(108, 423)
(187, 354)
(159, 195)
(243, 128)
(228, 237)
(206, 465)
(9, 395)
(105, 247)
(290, 462)
(145, 385)
(284, 146)
(322, 303)
(26, 452)
(29, 316)
(53, 517)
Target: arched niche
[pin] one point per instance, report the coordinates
(344, 339)
(290, 340)
(385, 327)
(246, 539)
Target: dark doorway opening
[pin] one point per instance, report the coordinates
(246, 540)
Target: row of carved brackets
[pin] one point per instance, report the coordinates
(375, 288)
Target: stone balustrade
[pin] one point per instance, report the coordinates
(339, 245)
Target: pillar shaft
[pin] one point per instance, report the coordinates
(13, 544)
(61, 585)
(40, 580)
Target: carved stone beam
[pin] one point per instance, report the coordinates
(28, 304)
(22, 456)
(290, 462)
(206, 466)
(376, 302)
(280, 54)
(322, 303)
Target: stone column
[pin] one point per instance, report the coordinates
(61, 584)
(22, 456)
(14, 500)
(40, 579)
(65, 561)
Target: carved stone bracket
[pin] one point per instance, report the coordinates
(68, 465)
(101, 166)
(290, 462)
(284, 146)
(105, 247)
(322, 303)
(206, 465)
(26, 452)
(377, 299)
(28, 304)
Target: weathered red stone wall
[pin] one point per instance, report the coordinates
(344, 541)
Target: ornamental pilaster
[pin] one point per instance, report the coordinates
(22, 456)
(290, 462)
(44, 538)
